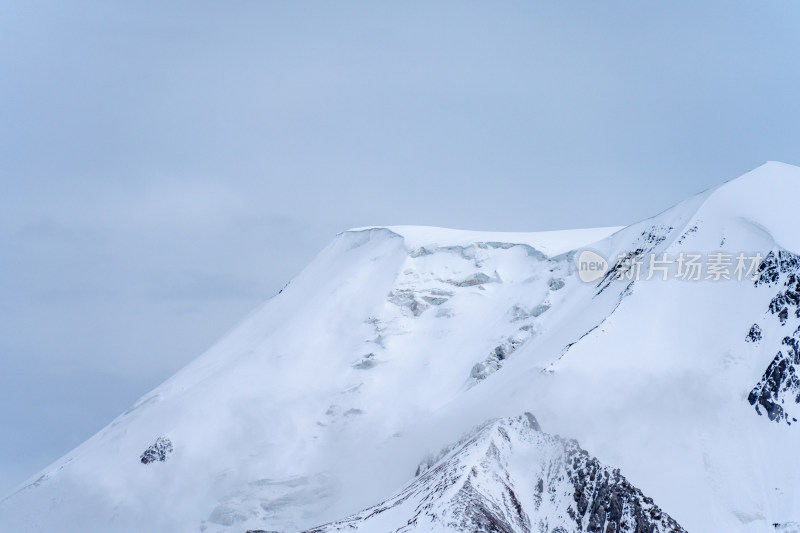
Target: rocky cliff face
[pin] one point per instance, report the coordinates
(777, 394)
(510, 477)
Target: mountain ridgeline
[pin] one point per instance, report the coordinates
(383, 390)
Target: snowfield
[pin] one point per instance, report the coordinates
(343, 403)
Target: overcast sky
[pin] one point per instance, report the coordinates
(165, 169)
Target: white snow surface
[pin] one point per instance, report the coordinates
(384, 351)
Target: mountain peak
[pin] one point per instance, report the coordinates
(770, 173)
(762, 198)
(509, 476)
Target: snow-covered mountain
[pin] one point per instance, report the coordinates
(342, 403)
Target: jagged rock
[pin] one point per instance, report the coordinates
(754, 335)
(494, 361)
(777, 393)
(159, 451)
(647, 241)
(775, 264)
(779, 387)
(476, 485)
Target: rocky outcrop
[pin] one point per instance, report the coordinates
(777, 265)
(777, 394)
(605, 501)
(755, 334)
(508, 476)
(645, 243)
(158, 452)
(779, 387)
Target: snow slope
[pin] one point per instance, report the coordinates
(395, 341)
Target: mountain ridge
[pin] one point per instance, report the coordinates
(476, 486)
(388, 346)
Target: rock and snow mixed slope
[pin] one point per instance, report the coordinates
(395, 341)
(508, 476)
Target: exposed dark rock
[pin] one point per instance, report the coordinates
(775, 264)
(158, 452)
(778, 391)
(645, 243)
(494, 361)
(686, 234)
(755, 333)
(606, 501)
(470, 487)
(780, 384)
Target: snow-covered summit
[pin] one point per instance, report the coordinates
(762, 198)
(548, 242)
